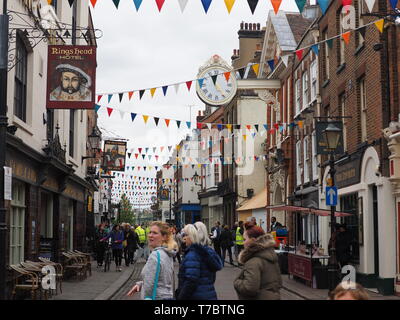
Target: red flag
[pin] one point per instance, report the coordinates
(199, 125)
(299, 54)
(167, 122)
(99, 97)
(160, 4)
(136, 155)
(188, 84)
(109, 110)
(93, 2)
(130, 94)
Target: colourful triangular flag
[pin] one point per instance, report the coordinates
(285, 60)
(167, 122)
(121, 95)
(252, 5)
(96, 107)
(141, 93)
(165, 88)
(315, 49)
(152, 91)
(182, 4)
(156, 120)
(346, 37)
(99, 97)
(214, 78)
(227, 75)
(133, 116)
(137, 4)
(370, 4)
(109, 110)
(178, 123)
(299, 54)
(130, 94)
(271, 64)
(206, 4)
(241, 71)
(380, 23)
(177, 87)
(93, 2)
(160, 3)
(109, 97)
(188, 123)
(229, 4)
(256, 67)
(116, 3)
(323, 5)
(276, 4)
(300, 5)
(188, 84)
(393, 3)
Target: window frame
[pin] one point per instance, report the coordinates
(314, 80)
(21, 79)
(306, 160)
(305, 90)
(18, 207)
(298, 162)
(363, 109)
(297, 96)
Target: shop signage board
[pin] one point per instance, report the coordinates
(331, 195)
(71, 77)
(320, 126)
(114, 156)
(300, 266)
(164, 194)
(7, 183)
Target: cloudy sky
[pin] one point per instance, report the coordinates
(148, 49)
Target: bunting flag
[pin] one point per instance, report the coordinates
(133, 116)
(99, 97)
(156, 120)
(182, 4)
(167, 122)
(141, 93)
(206, 5)
(285, 60)
(252, 5)
(323, 4)
(137, 4)
(93, 2)
(188, 84)
(300, 4)
(370, 4)
(393, 3)
(229, 4)
(109, 111)
(109, 97)
(121, 95)
(271, 64)
(315, 49)
(165, 88)
(346, 37)
(380, 23)
(130, 94)
(188, 123)
(152, 91)
(362, 31)
(227, 76)
(241, 71)
(255, 67)
(160, 3)
(116, 3)
(145, 118)
(330, 43)
(96, 107)
(299, 54)
(276, 4)
(214, 79)
(177, 87)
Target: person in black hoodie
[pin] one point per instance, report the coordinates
(197, 272)
(226, 244)
(132, 241)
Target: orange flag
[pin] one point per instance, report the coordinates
(152, 91)
(379, 24)
(255, 68)
(145, 118)
(130, 94)
(167, 122)
(276, 4)
(346, 37)
(227, 76)
(93, 2)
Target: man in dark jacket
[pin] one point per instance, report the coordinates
(215, 237)
(132, 241)
(342, 244)
(226, 241)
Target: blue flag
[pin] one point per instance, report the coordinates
(206, 4)
(323, 5)
(315, 49)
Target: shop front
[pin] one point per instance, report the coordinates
(367, 195)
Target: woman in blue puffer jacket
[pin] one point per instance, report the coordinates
(197, 272)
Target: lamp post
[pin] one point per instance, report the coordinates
(332, 136)
(4, 29)
(94, 141)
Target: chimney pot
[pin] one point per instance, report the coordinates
(258, 26)
(246, 26)
(251, 26)
(254, 26)
(241, 26)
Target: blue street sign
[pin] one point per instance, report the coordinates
(331, 196)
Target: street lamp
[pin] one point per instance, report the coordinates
(94, 140)
(332, 136)
(196, 178)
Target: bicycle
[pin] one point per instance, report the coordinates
(107, 257)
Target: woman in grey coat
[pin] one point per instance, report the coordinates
(160, 241)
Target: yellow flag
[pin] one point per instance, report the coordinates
(178, 147)
(229, 126)
(145, 118)
(199, 165)
(256, 67)
(379, 24)
(229, 4)
(300, 123)
(244, 137)
(152, 91)
(49, 1)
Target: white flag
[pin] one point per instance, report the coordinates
(370, 4)
(182, 4)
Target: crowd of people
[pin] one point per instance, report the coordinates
(201, 255)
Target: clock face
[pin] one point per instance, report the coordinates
(222, 92)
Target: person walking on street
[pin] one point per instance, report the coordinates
(142, 239)
(275, 225)
(343, 244)
(197, 272)
(260, 278)
(100, 245)
(226, 244)
(158, 272)
(132, 240)
(215, 236)
(116, 236)
(239, 238)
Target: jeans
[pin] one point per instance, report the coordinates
(117, 253)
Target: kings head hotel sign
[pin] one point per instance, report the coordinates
(71, 77)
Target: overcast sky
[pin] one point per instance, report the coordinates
(148, 49)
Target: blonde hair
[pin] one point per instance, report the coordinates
(165, 230)
(191, 232)
(202, 234)
(356, 290)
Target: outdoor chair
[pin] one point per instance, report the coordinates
(59, 271)
(25, 281)
(73, 263)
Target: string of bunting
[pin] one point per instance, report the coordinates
(230, 3)
(200, 125)
(243, 70)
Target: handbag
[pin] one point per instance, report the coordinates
(153, 296)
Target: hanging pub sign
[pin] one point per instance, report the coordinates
(164, 194)
(71, 77)
(114, 156)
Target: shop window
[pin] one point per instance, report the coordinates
(305, 90)
(349, 204)
(314, 80)
(298, 162)
(17, 223)
(306, 160)
(297, 93)
(314, 157)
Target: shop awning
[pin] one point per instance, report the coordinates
(257, 202)
(319, 212)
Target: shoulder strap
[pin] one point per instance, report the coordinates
(153, 297)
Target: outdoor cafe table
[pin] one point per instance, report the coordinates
(301, 265)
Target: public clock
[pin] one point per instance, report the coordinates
(222, 91)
